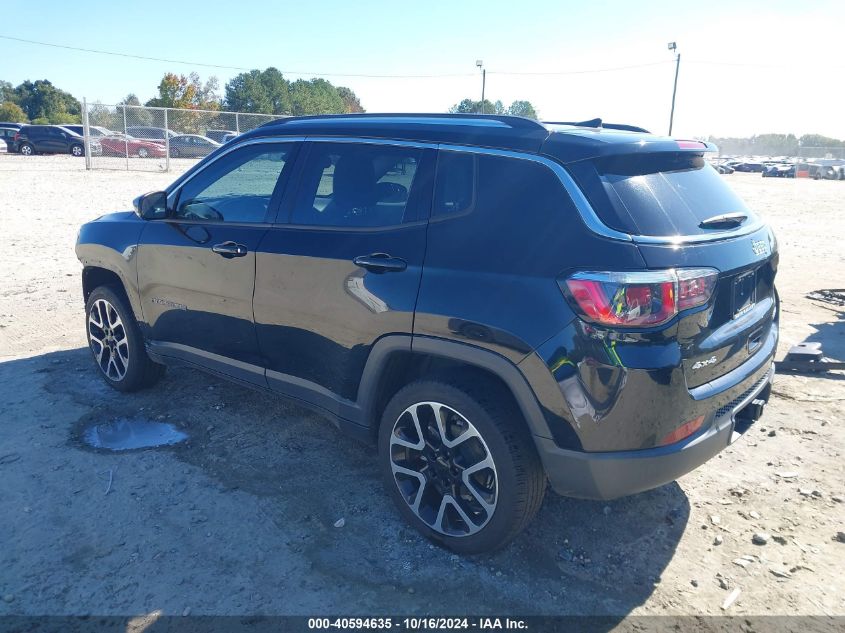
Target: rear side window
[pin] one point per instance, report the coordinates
(659, 194)
(496, 213)
(357, 185)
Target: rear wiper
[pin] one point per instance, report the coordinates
(726, 219)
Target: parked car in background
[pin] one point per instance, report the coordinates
(782, 170)
(192, 146)
(4, 148)
(94, 130)
(752, 167)
(17, 126)
(52, 139)
(824, 172)
(122, 145)
(219, 135)
(8, 134)
(229, 136)
(723, 168)
(149, 133)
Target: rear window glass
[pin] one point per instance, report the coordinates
(657, 194)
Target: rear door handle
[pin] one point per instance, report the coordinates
(229, 249)
(380, 263)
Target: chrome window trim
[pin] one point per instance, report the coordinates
(585, 209)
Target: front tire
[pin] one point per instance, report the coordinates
(460, 465)
(77, 150)
(116, 342)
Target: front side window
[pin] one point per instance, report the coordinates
(235, 188)
(356, 185)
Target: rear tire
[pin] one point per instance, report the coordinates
(116, 342)
(26, 149)
(470, 483)
(142, 152)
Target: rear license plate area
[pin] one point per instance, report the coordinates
(744, 293)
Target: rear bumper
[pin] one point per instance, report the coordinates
(608, 475)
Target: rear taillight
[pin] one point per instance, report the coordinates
(638, 299)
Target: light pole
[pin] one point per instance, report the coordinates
(673, 46)
(483, 70)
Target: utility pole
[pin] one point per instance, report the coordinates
(480, 65)
(673, 46)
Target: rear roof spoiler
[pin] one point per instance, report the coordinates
(598, 123)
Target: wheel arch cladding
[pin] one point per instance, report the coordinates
(395, 362)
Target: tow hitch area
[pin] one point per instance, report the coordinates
(748, 415)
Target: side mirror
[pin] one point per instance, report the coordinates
(151, 205)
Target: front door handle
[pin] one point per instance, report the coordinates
(229, 249)
(380, 263)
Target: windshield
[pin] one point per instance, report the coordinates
(657, 194)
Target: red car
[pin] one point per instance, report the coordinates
(120, 144)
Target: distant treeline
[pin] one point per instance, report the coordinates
(808, 145)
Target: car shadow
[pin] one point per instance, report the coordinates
(576, 558)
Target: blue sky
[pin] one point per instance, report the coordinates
(747, 67)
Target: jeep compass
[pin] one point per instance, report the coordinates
(497, 304)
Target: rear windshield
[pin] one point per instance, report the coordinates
(657, 194)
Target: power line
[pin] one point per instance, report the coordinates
(582, 72)
(324, 74)
(220, 66)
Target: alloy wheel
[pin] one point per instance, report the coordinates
(443, 469)
(26, 150)
(76, 150)
(142, 152)
(107, 337)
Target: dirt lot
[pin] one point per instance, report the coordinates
(240, 519)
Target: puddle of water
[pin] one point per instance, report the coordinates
(125, 434)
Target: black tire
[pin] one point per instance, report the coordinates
(174, 153)
(143, 152)
(125, 343)
(520, 482)
(77, 150)
(26, 149)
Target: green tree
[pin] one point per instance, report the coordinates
(351, 102)
(517, 108)
(179, 91)
(130, 100)
(264, 92)
(12, 113)
(317, 96)
(42, 100)
(7, 92)
(523, 108)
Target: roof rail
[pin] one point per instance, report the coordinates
(512, 121)
(598, 123)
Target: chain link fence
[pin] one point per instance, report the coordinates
(142, 138)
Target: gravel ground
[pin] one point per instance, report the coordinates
(240, 518)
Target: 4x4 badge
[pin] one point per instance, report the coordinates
(704, 363)
(760, 247)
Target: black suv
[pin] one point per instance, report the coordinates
(50, 139)
(495, 302)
